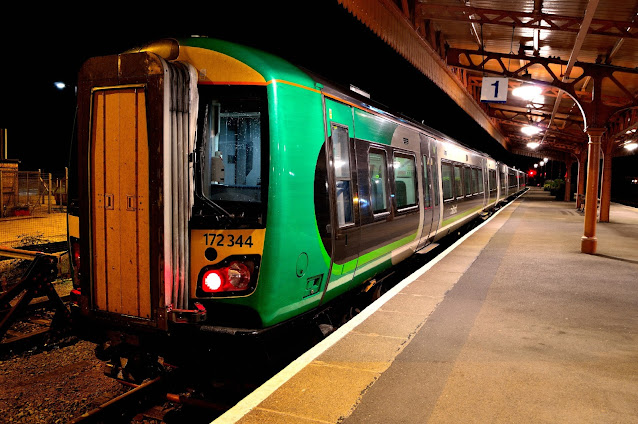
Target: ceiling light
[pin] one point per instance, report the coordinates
(533, 145)
(530, 130)
(631, 146)
(527, 91)
(540, 99)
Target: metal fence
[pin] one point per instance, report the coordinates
(32, 207)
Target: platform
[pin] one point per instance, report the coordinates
(513, 325)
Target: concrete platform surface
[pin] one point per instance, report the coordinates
(515, 325)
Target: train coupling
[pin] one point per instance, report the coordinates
(188, 316)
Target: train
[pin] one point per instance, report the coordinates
(222, 190)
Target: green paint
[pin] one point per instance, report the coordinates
(459, 216)
(373, 128)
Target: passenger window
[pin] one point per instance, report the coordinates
(405, 180)
(493, 186)
(480, 180)
(475, 188)
(467, 177)
(378, 178)
(446, 181)
(426, 182)
(458, 182)
(343, 182)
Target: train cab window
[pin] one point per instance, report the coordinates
(458, 181)
(446, 181)
(232, 146)
(378, 181)
(405, 180)
(343, 179)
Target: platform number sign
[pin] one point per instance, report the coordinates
(494, 90)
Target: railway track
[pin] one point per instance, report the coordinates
(173, 397)
(176, 397)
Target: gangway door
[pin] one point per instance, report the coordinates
(137, 117)
(120, 214)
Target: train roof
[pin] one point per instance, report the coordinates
(272, 67)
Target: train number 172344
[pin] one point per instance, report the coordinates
(227, 240)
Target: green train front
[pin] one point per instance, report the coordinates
(204, 195)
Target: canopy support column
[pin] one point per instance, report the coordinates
(589, 240)
(605, 195)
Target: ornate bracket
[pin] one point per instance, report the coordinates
(542, 21)
(596, 108)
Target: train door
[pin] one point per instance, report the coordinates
(493, 187)
(345, 226)
(430, 200)
(119, 203)
(434, 181)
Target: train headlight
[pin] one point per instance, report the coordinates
(238, 275)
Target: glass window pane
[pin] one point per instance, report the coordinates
(405, 181)
(467, 177)
(435, 184)
(344, 203)
(475, 180)
(231, 149)
(458, 183)
(341, 152)
(480, 181)
(426, 182)
(377, 169)
(492, 180)
(446, 181)
(341, 165)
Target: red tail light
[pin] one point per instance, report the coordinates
(234, 277)
(75, 261)
(213, 281)
(75, 251)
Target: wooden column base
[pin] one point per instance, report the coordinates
(588, 245)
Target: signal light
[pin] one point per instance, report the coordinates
(532, 173)
(234, 277)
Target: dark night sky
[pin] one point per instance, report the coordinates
(321, 36)
(327, 40)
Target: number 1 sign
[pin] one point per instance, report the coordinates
(494, 90)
